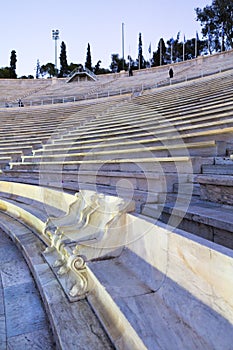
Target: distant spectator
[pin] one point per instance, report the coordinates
(21, 103)
(130, 71)
(171, 73)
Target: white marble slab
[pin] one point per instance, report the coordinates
(24, 311)
(32, 341)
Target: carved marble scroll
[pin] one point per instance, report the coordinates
(74, 244)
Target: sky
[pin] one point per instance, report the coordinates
(26, 27)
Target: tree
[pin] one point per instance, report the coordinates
(88, 64)
(49, 69)
(141, 62)
(72, 66)
(63, 61)
(217, 24)
(174, 49)
(97, 67)
(117, 63)
(159, 56)
(27, 77)
(37, 69)
(5, 73)
(13, 61)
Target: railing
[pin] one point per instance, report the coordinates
(91, 73)
(80, 71)
(96, 93)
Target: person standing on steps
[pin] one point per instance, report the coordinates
(171, 73)
(20, 103)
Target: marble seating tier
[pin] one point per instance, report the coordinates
(108, 273)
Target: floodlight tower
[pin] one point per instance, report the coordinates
(55, 35)
(123, 46)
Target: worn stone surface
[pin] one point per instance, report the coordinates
(75, 326)
(166, 317)
(31, 341)
(15, 274)
(23, 322)
(217, 193)
(78, 326)
(2, 332)
(8, 253)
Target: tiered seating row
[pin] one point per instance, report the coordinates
(28, 128)
(38, 91)
(139, 149)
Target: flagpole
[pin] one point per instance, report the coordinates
(209, 39)
(160, 46)
(129, 58)
(196, 46)
(184, 48)
(171, 53)
(222, 44)
(150, 56)
(149, 49)
(123, 46)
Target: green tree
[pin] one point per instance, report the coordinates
(27, 77)
(37, 69)
(5, 73)
(141, 61)
(63, 61)
(217, 23)
(117, 63)
(159, 56)
(72, 66)
(177, 49)
(97, 67)
(88, 63)
(98, 70)
(190, 48)
(13, 61)
(48, 68)
(174, 49)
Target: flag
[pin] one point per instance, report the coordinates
(209, 34)
(223, 31)
(184, 39)
(149, 49)
(172, 41)
(196, 41)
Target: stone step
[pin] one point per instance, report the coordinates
(180, 165)
(152, 210)
(26, 324)
(184, 188)
(223, 160)
(219, 169)
(229, 151)
(212, 221)
(216, 188)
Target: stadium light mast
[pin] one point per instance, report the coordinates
(160, 52)
(55, 35)
(172, 43)
(123, 45)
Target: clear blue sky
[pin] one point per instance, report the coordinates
(26, 27)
